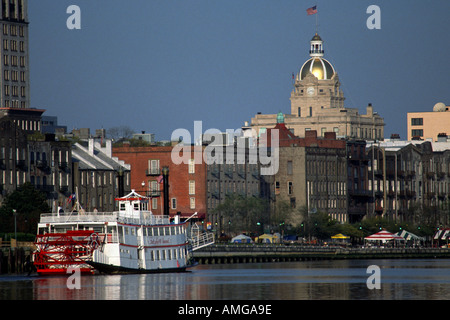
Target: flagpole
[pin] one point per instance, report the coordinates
(317, 23)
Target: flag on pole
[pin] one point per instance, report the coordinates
(312, 10)
(72, 197)
(159, 179)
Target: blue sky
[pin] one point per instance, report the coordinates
(159, 65)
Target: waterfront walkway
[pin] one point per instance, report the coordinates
(249, 253)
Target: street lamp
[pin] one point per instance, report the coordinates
(15, 225)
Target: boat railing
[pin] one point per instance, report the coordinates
(142, 218)
(79, 217)
(201, 239)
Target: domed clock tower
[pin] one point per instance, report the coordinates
(317, 103)
(317, 85)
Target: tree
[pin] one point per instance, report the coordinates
(29, 203)
(120, 132)
(322, 226)
(240, 213)
(282, 214)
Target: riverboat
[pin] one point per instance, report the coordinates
(131, 240)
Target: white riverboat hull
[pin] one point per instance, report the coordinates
(131, 240)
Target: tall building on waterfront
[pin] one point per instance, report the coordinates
(317, 103)
(15, 80)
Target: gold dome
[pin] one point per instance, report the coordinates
(319, 67)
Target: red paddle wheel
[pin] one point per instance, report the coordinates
(56, 252)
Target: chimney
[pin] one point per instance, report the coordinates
(369, 110)
(91, 146)
(442, 137)
(108, 148)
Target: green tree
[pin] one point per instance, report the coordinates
(322, 226)
(242, 214)
(281, 214)
(29, 203)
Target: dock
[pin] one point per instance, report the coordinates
(249, 253)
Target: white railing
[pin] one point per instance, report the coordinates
(144, 218)
(79, 217)
(201, 240)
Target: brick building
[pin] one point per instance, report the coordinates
(187, 181)
(312, 171)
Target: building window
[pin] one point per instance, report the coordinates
(154, 188)
(299, 111)
(191, 166)
(417, 121)
(153, 166)
(192, 203)
(191, 187)
(277, 187)
(289, 167)
(173, 202)
(417, 133)
(290, 187)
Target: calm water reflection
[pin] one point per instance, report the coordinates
(400, 279)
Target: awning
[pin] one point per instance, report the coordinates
(383, 236)
(442, 234)
(409, 236)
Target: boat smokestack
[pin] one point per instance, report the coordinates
(165, 173)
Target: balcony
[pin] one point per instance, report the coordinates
(410, 173)
(410, 194)
(153, 193)
(41, 164)
(316, 51)
(360, 193)
(442, 195)
(20, 164)
(153, 172)
(430, 195)
(64, 189)
(45, 188)
(63, 165)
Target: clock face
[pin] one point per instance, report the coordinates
(310, 91)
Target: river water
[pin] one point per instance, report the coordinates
(307, 280)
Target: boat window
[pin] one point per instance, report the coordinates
(122, 207)
(173, 231)
(136, 206)
(156, 232)
(167, 231)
